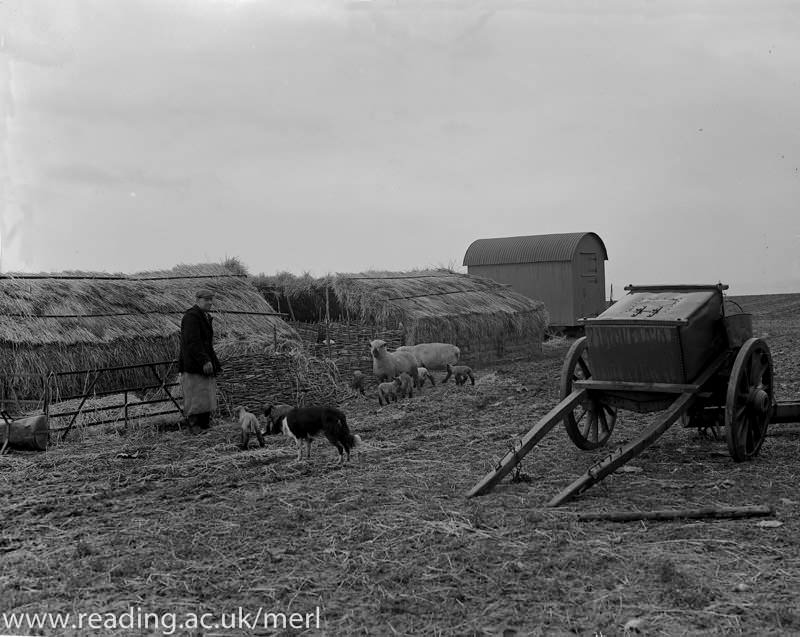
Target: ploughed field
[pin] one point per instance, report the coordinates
(172, 523)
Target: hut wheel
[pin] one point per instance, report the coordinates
(589, 424)
(750, 399)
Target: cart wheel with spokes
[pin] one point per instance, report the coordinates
(749, 402)
(589, 424)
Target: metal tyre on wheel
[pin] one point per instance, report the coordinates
(590, 424)
(749, 402)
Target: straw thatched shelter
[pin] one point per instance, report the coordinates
(84, 320)
(487, 320)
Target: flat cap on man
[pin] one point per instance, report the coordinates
(204, 293)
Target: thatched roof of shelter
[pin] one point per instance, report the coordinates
(429, 304)
(301, 297)
(439, 303)
(78, 320)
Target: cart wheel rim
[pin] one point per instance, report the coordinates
(591, 423)
(749, 400)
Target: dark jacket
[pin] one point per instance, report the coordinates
(197, 337)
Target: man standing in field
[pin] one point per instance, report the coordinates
(198, 364)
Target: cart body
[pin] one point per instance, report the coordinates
(658, 334)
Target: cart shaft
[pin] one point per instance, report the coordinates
(612, 462)
(537, 432)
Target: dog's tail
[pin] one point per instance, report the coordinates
(350, 440)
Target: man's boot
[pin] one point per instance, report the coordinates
(204, 421)
(192, 425)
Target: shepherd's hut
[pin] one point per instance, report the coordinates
(565, 271)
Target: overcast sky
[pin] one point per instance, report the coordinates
(336, 136)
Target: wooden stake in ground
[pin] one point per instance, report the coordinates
(666, 514)
(289, 304)
(327, 321)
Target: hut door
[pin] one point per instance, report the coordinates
(589, 285)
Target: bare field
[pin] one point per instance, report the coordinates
(173, 523)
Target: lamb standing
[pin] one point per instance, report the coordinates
(357, 384)
(460, 373)
(387, 392)
(424, 375)
(405, 386)
(249, 425)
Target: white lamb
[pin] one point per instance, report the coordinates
(424, 374)
(433, 355)
(388, 365)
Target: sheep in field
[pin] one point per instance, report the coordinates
(357, 384)
(424, 375)
(404, 386)
(387, 392)
(433, 355)
(460, 373)
(389, 365)
(249, 425)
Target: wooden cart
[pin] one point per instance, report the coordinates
(669, 349)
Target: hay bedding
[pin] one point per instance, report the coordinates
(176, 523)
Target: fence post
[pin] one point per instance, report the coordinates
(46, 393)
(126, 411)
(13, 396)
(327, 321)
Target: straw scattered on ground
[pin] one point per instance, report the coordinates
(174, 523)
